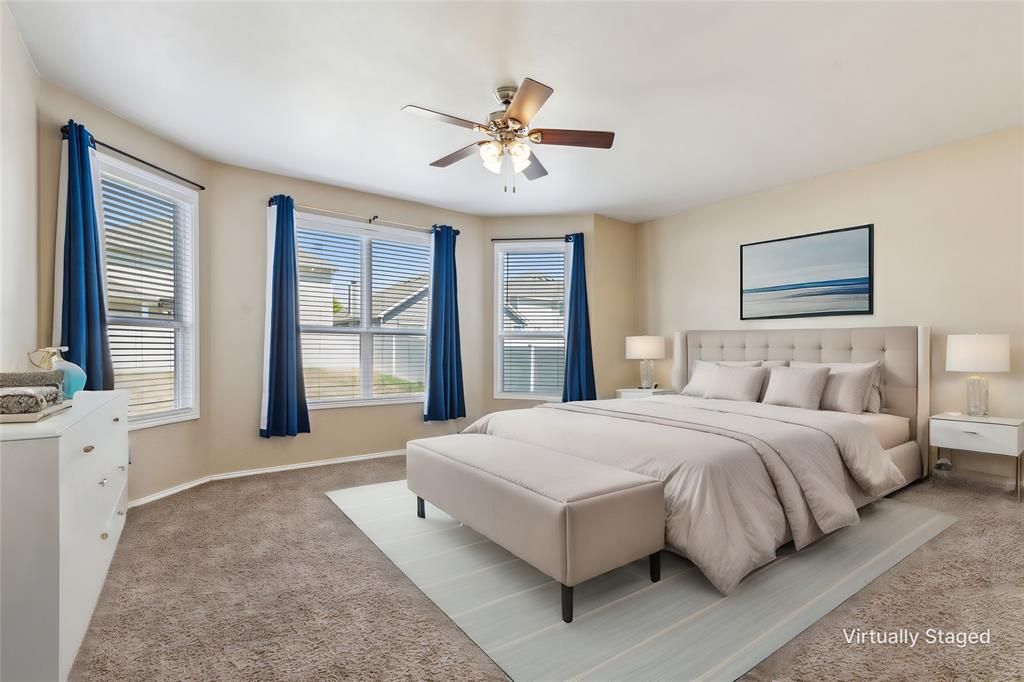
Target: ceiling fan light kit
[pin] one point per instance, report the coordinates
(509, 131)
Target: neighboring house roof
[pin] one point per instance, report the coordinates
(405, 295)
(539, 291)
(514, 315)
(308, 261)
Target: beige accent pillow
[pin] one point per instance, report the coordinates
(735, 383)
(702, 374)
(768, 364)
(796, 386)
(846, 391)
(873, 393)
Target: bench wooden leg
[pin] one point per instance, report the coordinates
(566, 603)
(420, 510)
(655, 560)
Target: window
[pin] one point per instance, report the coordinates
(530, 325)
(149, 226)
(363, 297)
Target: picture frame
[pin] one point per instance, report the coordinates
(820, 274)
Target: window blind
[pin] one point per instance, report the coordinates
(363, 308)
(148, 244)
(531, 326)
(400, 281)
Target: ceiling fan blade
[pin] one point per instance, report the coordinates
(574, 138)
(446, 161)
(535, 170)
(443, 118)
(529, 98)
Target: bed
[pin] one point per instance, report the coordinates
(744, 478)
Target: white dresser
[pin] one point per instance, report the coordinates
(64, 496)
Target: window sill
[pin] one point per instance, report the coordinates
(366, 402)
(528, 396)
(139, 423)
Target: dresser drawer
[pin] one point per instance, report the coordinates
(997, 439)
(94, 469)
(96, 448)
(84, 559)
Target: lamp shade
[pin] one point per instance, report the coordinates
(645, 347)
(978, 353)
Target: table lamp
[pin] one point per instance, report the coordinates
(645, 349)
(977, 353)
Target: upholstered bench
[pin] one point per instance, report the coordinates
(568, 517)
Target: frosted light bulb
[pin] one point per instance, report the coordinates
(491, 154)
(520, 154)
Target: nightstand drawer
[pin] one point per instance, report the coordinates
(996, 439)
(642, 392)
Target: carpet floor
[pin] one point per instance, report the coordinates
(261, 578)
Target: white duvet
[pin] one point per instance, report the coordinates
(741, 478)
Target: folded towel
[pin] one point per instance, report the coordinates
(46, 377)
(27, 399)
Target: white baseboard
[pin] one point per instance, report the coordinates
(255, 472)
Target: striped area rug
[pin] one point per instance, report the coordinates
(626, 627)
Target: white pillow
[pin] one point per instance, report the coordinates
(872, 396)
(702, 375)
(796, 386)
(735, 383)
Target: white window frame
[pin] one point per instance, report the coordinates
(130, 173)
(500, 334)
(366, 331)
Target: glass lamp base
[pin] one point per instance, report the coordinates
(647, 374)
(977, 396)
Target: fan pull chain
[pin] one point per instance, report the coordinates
(508, 169)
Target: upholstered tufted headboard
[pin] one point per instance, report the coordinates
(904, 352)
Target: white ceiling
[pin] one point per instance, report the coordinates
(708, 100)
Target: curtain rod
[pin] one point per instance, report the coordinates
(528, 239)
(372, 220)
(98, 143)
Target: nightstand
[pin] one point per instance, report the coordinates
(992, 435)
(642, 392)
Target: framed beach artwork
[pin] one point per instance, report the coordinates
(811, 275)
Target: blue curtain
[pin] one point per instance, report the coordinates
(83, 315)
(579, 357)
(284, 390)
(445, 396)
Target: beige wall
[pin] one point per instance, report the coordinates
(611, 289)
(19, 86)
(231, 258)
(949, 248)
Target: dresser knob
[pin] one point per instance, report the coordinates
(120, 513)
(103, 482)
(104, 536)
(117, 419)
(120, 467)
(87, 449)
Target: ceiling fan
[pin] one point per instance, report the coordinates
(509, 130)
